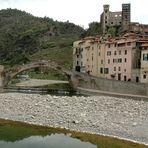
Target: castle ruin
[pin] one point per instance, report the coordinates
(119, 19)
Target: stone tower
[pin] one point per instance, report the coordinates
(105, 18)
(126, 16)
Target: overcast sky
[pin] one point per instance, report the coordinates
(80, 12)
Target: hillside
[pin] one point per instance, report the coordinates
(24, 37)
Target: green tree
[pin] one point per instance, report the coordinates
(112, 31)
(93, 30)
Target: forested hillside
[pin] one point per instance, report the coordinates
(24, 37)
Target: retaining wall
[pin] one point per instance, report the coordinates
(91, 82)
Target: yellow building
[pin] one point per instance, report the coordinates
(85, 53)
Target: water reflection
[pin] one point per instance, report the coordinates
(52, 141)
(20, 135)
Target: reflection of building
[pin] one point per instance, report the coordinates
(116, 19)
(124, 58)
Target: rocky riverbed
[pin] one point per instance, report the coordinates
(125, 118)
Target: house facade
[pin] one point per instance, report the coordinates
(144, 63)
(124, 58)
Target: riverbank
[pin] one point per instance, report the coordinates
(119, 117)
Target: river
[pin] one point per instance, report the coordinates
(20, 135)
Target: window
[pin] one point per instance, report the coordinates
(99, 53)
(125, 52)
(144, 76)
(77, 56)
(125, 60)
(101, 61)
(106, 70)
(77, 62)
(108, 45)
(125, 78)
(114, 68)
(120, 60)
(119, 68)
(108, 53)
(115, 45)
(128, 43)
(115, 52)
(115, 60)
(101, 70)
(120, 52)
(108, 61)
(121, 44)
(81, 63)
(145, 57)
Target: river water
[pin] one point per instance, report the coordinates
(20, 135)
(50, 141)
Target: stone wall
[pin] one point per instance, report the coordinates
(113, 86)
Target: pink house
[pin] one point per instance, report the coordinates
(119, 59)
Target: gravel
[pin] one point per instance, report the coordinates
(120, 117)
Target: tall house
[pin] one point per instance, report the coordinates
(126, 16)
(85, 53)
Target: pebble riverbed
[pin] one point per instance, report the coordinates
(125, 118)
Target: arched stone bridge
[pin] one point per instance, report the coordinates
(8, 74)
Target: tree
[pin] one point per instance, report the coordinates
(112, 31)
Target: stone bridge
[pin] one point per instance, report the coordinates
(78, 80)
(6, 74)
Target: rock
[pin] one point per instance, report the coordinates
(134, 124)
(75, 121)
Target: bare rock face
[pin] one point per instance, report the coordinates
(121, 117)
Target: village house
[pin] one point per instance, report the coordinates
(123, 58)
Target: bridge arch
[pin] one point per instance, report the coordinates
(12, 72)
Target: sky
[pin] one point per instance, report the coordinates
(80, 12)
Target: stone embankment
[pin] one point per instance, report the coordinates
(125, 118)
